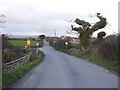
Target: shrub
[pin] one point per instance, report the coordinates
(107, 48)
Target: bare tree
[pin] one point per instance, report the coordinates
(2, 20)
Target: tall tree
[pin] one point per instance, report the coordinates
(85, 29)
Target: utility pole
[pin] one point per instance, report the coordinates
(55, 32)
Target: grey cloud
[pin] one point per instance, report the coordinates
(26, 18)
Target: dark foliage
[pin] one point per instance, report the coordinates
(101, 35)
(42, 37)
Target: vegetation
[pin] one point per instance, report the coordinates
(107, 48)
(21, 42)
(86, 29)
(13, 48)
(101, 35)
(10, 52)
(111, 65)
(41, 37)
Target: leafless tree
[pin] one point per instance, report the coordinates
(2, 20)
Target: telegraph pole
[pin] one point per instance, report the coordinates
(55, 32)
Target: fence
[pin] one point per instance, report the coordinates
(13, 65)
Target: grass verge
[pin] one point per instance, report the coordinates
(110, 65)
(10, 77)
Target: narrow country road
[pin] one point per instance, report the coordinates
(59, 70)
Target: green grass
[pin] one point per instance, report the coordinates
(10, 77)
(21, 42)
(111, 65)
(26, 53)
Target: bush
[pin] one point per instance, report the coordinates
(35, 54)
(107, 48)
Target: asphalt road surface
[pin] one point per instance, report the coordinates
(59, 70)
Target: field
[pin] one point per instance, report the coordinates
(21, 42)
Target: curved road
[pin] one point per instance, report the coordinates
(59, 70)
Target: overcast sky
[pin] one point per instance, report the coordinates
(34, 17)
